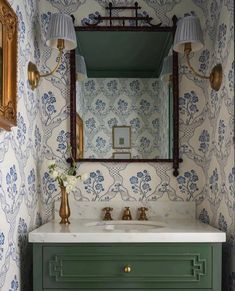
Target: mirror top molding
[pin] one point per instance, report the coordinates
(137, 22)
(131, 24)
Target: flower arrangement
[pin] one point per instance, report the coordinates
(66, 177)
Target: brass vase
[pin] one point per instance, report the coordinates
(64, 206)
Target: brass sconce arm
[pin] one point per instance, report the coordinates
(216, 74)
(33, 73)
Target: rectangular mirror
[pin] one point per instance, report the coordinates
(132, 83)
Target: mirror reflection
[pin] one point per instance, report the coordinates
(124, 107)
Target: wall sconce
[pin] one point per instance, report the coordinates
(188, 38)
(61, 35)
(167, 67)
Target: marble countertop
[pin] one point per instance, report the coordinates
(95, 231)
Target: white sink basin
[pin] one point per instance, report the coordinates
(126, 225)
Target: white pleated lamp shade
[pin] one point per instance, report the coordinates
(61, 27)
(188, 31)
(81, 71)
(167, 68)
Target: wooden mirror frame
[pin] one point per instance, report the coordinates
(8, 19)
(175, 160)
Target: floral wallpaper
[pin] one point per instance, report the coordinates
(20, 155)
(207, 174)
(141, 104)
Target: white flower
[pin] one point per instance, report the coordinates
(54, 174)
(72, 180)
(69, 188)
(65, 183)
(84, 176)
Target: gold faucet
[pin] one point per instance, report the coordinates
(126, 214)
(107, 215)
(143, 215)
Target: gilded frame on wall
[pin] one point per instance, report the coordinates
(8, 65)
(79, 136)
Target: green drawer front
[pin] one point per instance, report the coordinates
(152, 266)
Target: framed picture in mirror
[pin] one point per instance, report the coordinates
(121, 137)
(8, 65)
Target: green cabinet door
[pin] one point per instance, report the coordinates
(127, 267)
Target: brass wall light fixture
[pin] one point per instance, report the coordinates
(188, 38)
(60, 35)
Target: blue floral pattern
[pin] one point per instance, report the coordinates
(188, 105)
(231, 179)
(11, 179)
(63, 142)
(204, 139)
(141, 184)
(94, 184)
(213, 182)
(204, 217)
(222, 223)
(188, 184)
(204, 60)
(48, 105)
(2, 240)
(21, 131)
(14, 284)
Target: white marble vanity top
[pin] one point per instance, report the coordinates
(96, 231)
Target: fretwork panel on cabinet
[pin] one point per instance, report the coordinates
(64, 267)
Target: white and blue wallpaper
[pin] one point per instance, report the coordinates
(207, 174)
(141, 104)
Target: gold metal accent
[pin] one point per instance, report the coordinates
(126, 214)
(216, 74)
(143, 215)
(64, 206)
(33, 73)
(216, 77)
(107, 215)
(127, 269)
(8, 21)
(79, 137)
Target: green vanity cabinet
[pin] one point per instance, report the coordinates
(127, 266)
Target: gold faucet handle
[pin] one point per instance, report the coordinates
(143, 215)
(107, 215)
(127, 214)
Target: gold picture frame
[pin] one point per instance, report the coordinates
(121, 137)
(8, 65)
(79, 137)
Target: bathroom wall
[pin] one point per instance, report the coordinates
(20, 155)
(140, 103)
(206, 124)
(218, 206)
(206, 175)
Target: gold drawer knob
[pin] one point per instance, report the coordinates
(127, 269)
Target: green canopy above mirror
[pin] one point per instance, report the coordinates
(115, 54)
